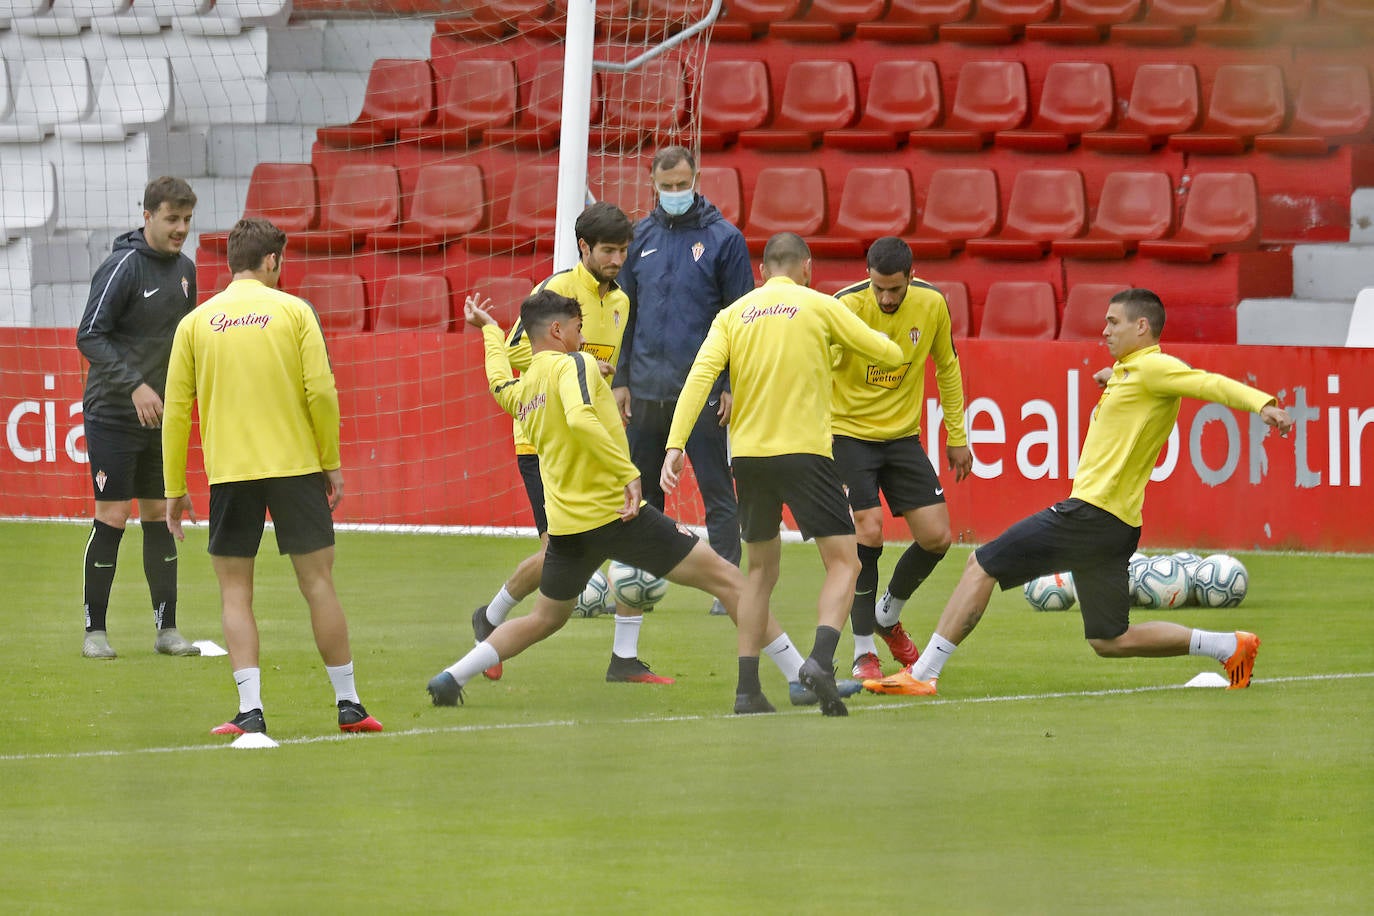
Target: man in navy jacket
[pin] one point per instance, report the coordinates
(687, 263)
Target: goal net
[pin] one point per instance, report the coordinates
(410, 148)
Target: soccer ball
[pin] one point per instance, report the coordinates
(595, 599)
(1134, 571)
(1190, 562)
(1162, 583)
(634, 587)
(1220, 581)
(1054, 592)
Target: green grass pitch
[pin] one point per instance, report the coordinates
(1041, 780)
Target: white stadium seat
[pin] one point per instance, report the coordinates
(134, 94)
(48, 92)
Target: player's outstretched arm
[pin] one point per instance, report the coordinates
(1277, 417)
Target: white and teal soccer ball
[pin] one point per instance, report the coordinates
(1136, 569)
(595, 599)
(1190, 562)
(1220, 581)
(635, 588)
(1162, 582)
(1054, 592)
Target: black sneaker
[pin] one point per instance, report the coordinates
(353, 718)
(822, 684)
(632, 671)
(747, 704)
(444, 690)
(242, 724)
(481, 629)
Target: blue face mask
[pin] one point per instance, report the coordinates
(676, 203)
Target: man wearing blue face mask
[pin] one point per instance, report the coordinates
(687, 262)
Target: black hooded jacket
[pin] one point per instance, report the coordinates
(138, 295)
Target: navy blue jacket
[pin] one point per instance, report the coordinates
(679, 272)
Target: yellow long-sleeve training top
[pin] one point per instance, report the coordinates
(253, 359)
(571, 419)
(776, 341)
(1131, 423)
(878, 404)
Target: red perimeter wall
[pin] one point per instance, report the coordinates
(425, 444)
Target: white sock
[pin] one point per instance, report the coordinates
(482, 657)
(341, 676)
(864, 645)
(889, 610)
(249, 681)
(785, 656)
(626, 643)
(1220, 646)
(500, 607)
(933, 659)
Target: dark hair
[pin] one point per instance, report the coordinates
(543, 308)
(670, 156)
(890, 255)
(604, 222)
(174, 191)
(1143, 303)
(785, 249)
(251, 240)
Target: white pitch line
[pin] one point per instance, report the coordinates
(660, 720)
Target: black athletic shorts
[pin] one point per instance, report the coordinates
(126, 463)
(300, 514)
(807, 484)
(534, 489)
(898, 467)
(650, 541)
(1089, 542)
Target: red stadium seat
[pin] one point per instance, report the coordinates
(642, 105)
(828, 20)
(625, 184)
(449, 202)
(1164, 101)
(874, 203)
(1045, 204)
(364, 198)
(1220, 214)
(490, 19)
(1023, 310)
(956, 297)
(903, 95)
(735, 96)
(1134, 206)
(339, 300)
(399, 94)
(1077, 97)
(914, 20)
(961, 204)
(540, 117)
(1083, 21)
(1246, 100)
(1085, 310)
(1332, 107)
(1254, 21)
(990, 96)
(998, 21)
(530, 214)
(785, 200)
(819, 95)
(414, 302)
(283, 192)
(720, 185)
(506, 294)
(1169, 22)
(476, 95)
(744, 20)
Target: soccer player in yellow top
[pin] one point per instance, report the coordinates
(603, 233)
(591, 487)
(1093, 533)
(878, 443)
(253, 360)
(776, 342)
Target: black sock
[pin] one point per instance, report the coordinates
(865, 591)
(160, 568)
(749, 675)
(823, 650)
(912, 568)
(102, 552)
